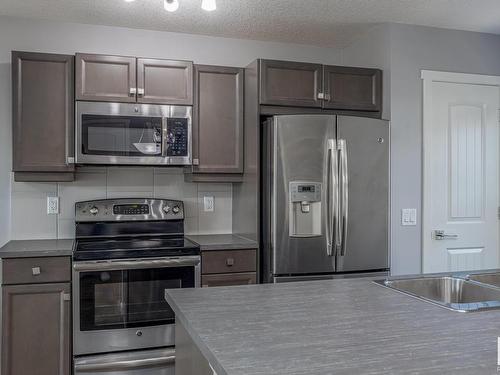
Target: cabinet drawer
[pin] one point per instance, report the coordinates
(229, 279)
(226, 261)
(36, 270)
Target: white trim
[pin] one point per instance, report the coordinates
(474, 79)
(428, 77)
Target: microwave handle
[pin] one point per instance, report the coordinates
(164, 139)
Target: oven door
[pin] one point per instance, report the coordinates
(120, 305)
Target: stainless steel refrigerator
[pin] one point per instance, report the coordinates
(325, 183)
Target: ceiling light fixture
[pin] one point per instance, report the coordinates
(171, 5)
(129, 1)
(208, 5)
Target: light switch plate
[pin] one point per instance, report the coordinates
(208, 204)
(409, 216)
(52, 205)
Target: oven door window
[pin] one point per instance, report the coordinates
(129, 298)
(121, 135)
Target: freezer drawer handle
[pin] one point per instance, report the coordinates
(126, 365)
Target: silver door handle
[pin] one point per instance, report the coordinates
(344, 194)
(140, 92)
(332, 196)
(132, 91)
(441, 235)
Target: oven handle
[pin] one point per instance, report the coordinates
(137, 264)
(118, 365)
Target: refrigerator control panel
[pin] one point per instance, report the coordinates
(305, 192)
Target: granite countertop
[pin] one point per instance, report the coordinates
(349, 326)
(36, 248)
(222, 242)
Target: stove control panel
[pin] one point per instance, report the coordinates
(129, 210)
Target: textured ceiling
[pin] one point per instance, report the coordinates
(315, 22)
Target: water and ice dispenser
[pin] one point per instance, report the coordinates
(305, 209)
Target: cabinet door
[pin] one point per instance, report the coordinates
(290, 83)
(352, 88)
(36, 329)
(229, 279)
(164, 81)
(218, 120)
(105, 78)
(42, 110)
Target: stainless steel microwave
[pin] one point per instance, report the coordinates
(131, 134)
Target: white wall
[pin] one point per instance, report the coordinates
(46, 36)
(30, 220)
(414, 48)
(403, 51)
(28, 212)
(373, 50)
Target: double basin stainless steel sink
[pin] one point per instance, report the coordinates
(460, 292)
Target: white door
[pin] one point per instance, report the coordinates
(461, 189)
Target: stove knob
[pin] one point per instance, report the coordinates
(166, 209)
(176, 209)
(94, 210)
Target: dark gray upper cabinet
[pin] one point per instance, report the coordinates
(129, 80)
(43, 116)
(349, 88)
(164, 81)
(36, 329)
(287, 83)
(105, 78)
(218, 120)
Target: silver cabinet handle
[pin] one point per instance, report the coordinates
(36, 271)
(132, 91)
(230, 262)
(344, 200)
(140, 92)
(321, 95)
(441, 235)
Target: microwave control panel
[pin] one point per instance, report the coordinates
(177, 137)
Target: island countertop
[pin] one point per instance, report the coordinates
(349, 326)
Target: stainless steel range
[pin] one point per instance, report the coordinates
(127, 252)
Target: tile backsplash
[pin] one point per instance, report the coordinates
(29, 200)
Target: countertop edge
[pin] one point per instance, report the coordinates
(213, 245)
(209, 356)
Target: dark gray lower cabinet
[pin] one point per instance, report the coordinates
(42, 116)
(36, 329)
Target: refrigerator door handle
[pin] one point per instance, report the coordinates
(344, 197)
(332, 197)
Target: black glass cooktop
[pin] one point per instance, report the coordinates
(133, 247)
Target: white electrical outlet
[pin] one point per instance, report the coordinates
(208, 204)
(409, 216)
(52, 205)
